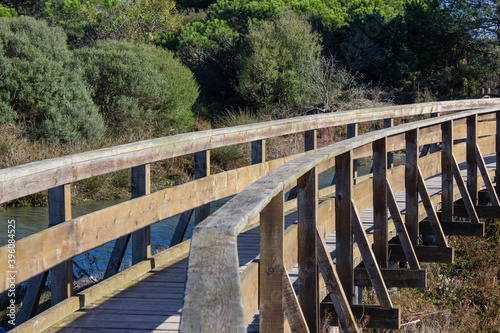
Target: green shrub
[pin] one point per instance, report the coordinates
(41, 84)
(139, 85)
(7, 12)
(274, 66)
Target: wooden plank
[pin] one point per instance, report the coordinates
(343, 224)
(393, 277)
(411, 181)
(369, 260)
(464, 192)
(456, 228)
(293, 311)
(141, 239)
(471, 158)
(307, 206)
(424, 253)
(447, 172)
(201, 170)
(380, 233)
(486, 177)
(484, 212)
(404, 238)
(339, 299)
(271, 310)
(61, 276)
(431, 213)
(258, 151)
(371, 315)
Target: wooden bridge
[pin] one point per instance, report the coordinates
(282, 250)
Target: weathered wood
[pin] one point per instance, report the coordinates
(201, 169)
(471, 158)
(424, 253)
(141, 239)
(411, 181)
(393, 278)
(336, 292)
(61, 276)
(431, 213)
(293, 311)
(447, 172)
(181, 227)
(497, 151)
(486, 177)
(371, 315)
(307, 206)
(258, 151)
(370, 260)
(464, 192)
(388, 123)
(271, 310)
(404, 238)
(484, 212)
(456, 228)
(343, 224)
(380, 233)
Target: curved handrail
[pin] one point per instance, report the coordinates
(213, 298)
(34, 177)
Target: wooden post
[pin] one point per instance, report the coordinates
(387, 124)
(307, 203)
(201, 169)
(61, 276)
(272, 223)
(411, 172)
(343, 223)
(141, 239)
(497, 150)
(380, 233)
(310, 140)
(471, 158)
(447, 171)
(352, 131)
(258, 151)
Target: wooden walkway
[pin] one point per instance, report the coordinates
(153, 303)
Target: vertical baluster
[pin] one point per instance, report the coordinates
(61, 275)
(307, 198)
(411, 171)
(343, 222)
(387, 124)
(380, 234)
(258, 151)
(471, 158)
(310, 140)
(352, 131)
(201, 169)
(447, 171)
(141, 239)
(271, 309)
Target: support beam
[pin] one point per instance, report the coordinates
(340, 302)
(411, 176)
(343, 222)
(271, 310)
(381, 232)
(372, 316)
(141, 239)
(456, 228)
(293, 311)
(201, 169)
(307, 206)
(471, 211)
(483, 212)
(61, 276)
(31, 298)
(486, 178)
(393, 277)
(471, 158)
(424, 253)
(447, 172)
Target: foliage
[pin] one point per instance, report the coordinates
(7, 12)
(41, 84)
(139, 85)
(273, 67)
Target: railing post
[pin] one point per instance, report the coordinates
(411, 178)
(272, 223)
(310, 140)
(343, 222)
(307, 203)
(141, 239)
(352, 132)
(389, 122)
(471, 158)
(447, 171)
(497, 150)
(201, 169)
(258, 151)
(380, 233)
(61, 276)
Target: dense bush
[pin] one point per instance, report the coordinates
(41, 83)
(136, 85)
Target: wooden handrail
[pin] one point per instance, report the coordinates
(213, 298)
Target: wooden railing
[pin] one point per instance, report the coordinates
(219, 299)
(68, 237)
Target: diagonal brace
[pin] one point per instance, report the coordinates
(293, 312)
(471, 210)
(486, 177)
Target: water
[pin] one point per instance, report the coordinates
(30, 220)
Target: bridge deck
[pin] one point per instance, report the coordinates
(153, 303)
